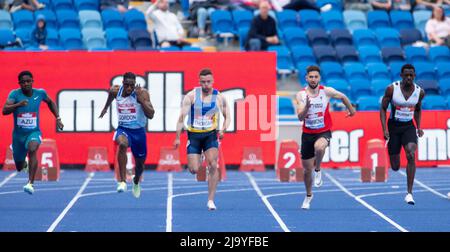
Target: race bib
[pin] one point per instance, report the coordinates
(203, 122)
(127, 114)
(315, 121)
(404, 114)
(27, 120)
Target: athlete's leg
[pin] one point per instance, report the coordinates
(138, 146)
(122, 144)
(394, 146)
(319, 151)
(308, 166)
(33, 146)
(19, 151)
(395, 162)
(194, 152)
(139, 169)
(213, 176)
(410, 150)
(194, 162)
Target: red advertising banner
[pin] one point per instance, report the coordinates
(78, 83)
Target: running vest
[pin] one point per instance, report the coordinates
(26, 118)
(129, 111)
(203, 117)
(318, 118)
(403, 110)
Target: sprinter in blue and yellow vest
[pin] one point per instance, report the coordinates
(202, 105)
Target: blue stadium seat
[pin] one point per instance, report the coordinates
(222, 22)
(6, 36)
(70, 38)
(25, 35)
(331, 70)
(90, 19)
(360, 87)
(23, 19)
(310, 19)
(67, 19)
(243, 34)
(439, 54)
(355, 19)
(170, 49)
(410, 36)
(86, 4)
(364, 37)
(317, 36)
(379, 86)
(378, 71)
(50, 18)
(295, 37)
(444, 85)
(333, 19)
(284, 60)
(242, 18)
(392, 54)
(395, 69)
(112, 19)
(347, 53)
(62, 5)
(388, 37)
(340, 85)
(369, 54)
(401, 19)
(287, 19)
(425, 71)
(443, 70)
(420, 19)
(325, 53)
(135, 19)
(117, 39)
(93, 38)
(355, 70)
(378, 19)
(302, 54)
(192, 49)
(415, 54)
(341, 37)
(431, 87)
(140, 39)
(434, 102)
(52, 38)
(5, 20)
(285, 106)
(368, 103)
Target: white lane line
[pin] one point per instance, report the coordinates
(71, 203)
(10, 176)
(169, 202)
(367, 205)
(267, 203)
(426, 187)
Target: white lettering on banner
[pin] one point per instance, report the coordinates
(81, 108)
(344, 146)
(98, 160)
(169, 160)
(252, 160)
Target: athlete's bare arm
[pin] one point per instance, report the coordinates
(185, 108)
(418, 113)
(10, 106)
(143, 97)
(225, 109)
(302, 107)
(333, 93)
(54, 109)
(387, 97)
(111, 96)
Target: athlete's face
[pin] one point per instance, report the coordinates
(26, 83)
(206, 82)
(408, 76)
(128, 86)
(313, 79)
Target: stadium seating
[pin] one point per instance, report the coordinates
(67, 19)
(6, 36)
(368, 103)
(331, 70)
(90, 19)
(360, 87)
(50, 18)
(93, 38)
(287, 19)
(395, 69)
(112, 19)
(140, 39)
(86, 4)
(444, 85)
(401, 19)
(23, 19)
(378, 71)
(378, 19)
(347, 53)
(340, 85)
(425, 71)
(434, 102)
(379, 86)
(303, 54)
(443, 70)
(410, 36)
(222, 23)
(62, 5)
(333, 19)
(388, 37)
(325, 53)
(310, 19)
(70, 38)
(284, 60)
(285, 106)
(355, 70)
(420, 19)
(25, 35)
(134, 19)
(392, 54)
(318, 36)
(117, 39)
(364, 37)
(369, 54)
(439, 54)
(341, 37)
(355, 19)
(294, 37)
(430, 87)
(415, 54)
(5, 20)
(242, 18)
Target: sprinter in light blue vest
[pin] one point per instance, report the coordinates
(24, 104)
(133, 109)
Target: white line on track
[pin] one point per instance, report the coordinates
(426, 187)
(10, 176)
(367, 205)
(267, 203)
(71, 203)
(169, 202)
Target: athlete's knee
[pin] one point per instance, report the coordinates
(33, 147)
(123, 145)
(395, 166)
(410, 155)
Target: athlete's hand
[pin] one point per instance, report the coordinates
(221, 134)
(386, 135)
(176, 143)
(59, 124)
(103, 113)
(22, 103)
(308, 102)
(351, 112)
(420, 132)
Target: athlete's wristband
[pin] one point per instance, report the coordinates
(58, 118)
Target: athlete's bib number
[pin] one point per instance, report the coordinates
(127, 115)
(203, 122)
(27, 120)
(404, 114)
(315, 121)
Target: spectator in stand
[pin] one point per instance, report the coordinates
(39, 33)
(30, 5)
(388, 5)
(438, 28)
(297, 5)
(120, 5)
(431, 4)
(362, 5)
(200, 10)
(263, 30)
(168, 28)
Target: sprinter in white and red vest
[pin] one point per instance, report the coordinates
(313, 108)
(405, 98)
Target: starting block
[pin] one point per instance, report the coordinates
(169, 160)
(97, 159)
(289, 166)
(201, 173)
(131, 164)
(48, 161)
(8, 164)
(252, 159)
(375, 162)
